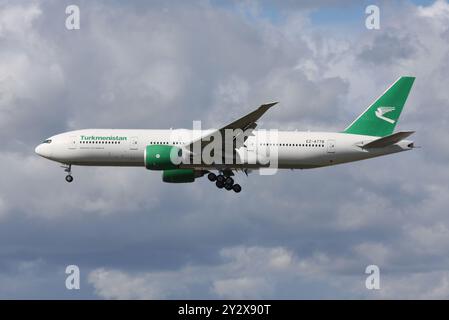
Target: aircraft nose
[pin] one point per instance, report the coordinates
(43, 150)
(38, 150)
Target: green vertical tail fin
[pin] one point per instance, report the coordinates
(381, 117)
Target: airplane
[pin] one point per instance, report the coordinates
(369, 135)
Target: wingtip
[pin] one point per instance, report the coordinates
(271, 104)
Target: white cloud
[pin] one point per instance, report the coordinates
(425, 285)
(438, 10)
(245, 272)
(249, 273)
(242, 288)
(17, 20)
(111, 284)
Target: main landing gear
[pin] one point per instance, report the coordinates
(68, 169)
(222, 181)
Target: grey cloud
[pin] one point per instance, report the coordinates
(243, 272)
(388, 48)
(129, 65)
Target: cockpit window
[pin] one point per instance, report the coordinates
(47, 141)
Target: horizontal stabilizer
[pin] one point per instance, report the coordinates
(388, 140)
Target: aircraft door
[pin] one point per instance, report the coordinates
(73, 143)
(133, 143)
(331, 146)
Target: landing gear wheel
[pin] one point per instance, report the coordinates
(219, 184)
(229, 181)
(221, 178)
(228, 186)
(237, 188)
(68, 169)
(212, 177)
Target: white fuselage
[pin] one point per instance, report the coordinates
(126, 147)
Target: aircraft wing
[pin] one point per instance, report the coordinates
(247, 122)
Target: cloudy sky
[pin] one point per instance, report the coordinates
(159, 64)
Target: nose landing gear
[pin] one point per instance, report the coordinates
(68, 169)
(222, 181)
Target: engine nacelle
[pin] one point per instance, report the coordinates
(179, 175)
(162, 157)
